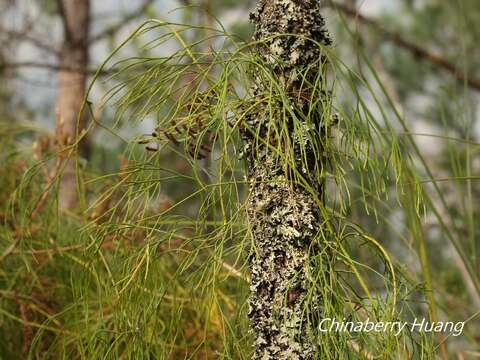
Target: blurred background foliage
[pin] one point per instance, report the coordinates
(132, 273)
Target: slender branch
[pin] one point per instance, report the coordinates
(111, 30)
(415, 49)
(25, 36)
(63, 16)
(106, 32)
(48, 66)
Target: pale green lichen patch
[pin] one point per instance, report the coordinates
(283, 223)
(301, 18)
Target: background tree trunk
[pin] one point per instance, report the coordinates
(284, 217)
(72, 80)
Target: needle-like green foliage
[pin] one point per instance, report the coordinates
(154, 265)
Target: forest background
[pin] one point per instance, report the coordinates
(76, 280)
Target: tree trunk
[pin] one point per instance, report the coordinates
(72, 80)
(285, 219)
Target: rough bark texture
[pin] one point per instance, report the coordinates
(284, 217)
(71, 87)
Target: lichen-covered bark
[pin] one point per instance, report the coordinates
(284, 217)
